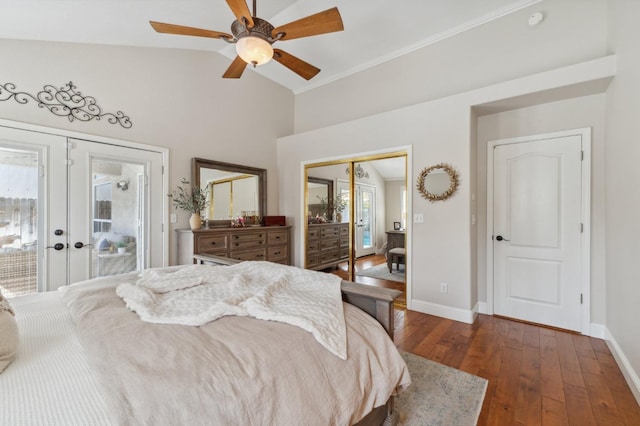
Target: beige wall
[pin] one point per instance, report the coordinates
(175, 98)
(622, 157)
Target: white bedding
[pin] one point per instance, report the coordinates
(50, 381)
(109, 367)
(198, 294)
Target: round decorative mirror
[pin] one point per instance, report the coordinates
(437, 182)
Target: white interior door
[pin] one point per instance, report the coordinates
(537, 225)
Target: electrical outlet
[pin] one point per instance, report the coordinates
(444, 288)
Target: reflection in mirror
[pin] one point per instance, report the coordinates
(438, 182)
(234, 190)
(320, 197)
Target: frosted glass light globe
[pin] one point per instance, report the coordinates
(254, 50)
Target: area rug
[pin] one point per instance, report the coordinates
(382, 272)
(439, 395)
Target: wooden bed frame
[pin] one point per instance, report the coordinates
(375, 301)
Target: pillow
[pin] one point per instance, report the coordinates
(8, 334)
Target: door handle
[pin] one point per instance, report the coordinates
(56, 246)
(80, 244)
(501, 238)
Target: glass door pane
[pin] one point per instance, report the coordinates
(117, 216)
(18, 221)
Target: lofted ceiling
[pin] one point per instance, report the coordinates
(375, 30)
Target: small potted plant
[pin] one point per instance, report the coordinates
(122, 247)
(191, 199)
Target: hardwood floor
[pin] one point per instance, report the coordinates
(537, 375)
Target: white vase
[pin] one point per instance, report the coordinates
(195, 221)
(122, 250)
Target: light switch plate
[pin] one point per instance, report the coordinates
(418, 218)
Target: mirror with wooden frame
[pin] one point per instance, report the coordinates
(320, 196)
(437, 183)
(233, 190)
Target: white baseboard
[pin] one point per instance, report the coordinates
(456, 314)
(598, 331)
(483, 308)
(630, 375)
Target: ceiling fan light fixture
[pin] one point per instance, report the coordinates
(254, 50)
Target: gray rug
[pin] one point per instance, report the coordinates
(382, 272)
(439, 395)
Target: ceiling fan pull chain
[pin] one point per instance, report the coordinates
(255, 13)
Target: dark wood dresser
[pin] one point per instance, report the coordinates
(271, 243)
(327, 245)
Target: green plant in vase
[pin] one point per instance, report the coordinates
(192, 199)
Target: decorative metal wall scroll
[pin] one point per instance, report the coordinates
(65, 102)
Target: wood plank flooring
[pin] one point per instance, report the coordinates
(537, 375)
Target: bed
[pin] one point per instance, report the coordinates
(86, 359)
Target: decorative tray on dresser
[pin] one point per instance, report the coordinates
(272, 243)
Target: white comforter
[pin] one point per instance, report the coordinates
(198, 294)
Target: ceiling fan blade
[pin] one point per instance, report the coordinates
(236, 68)
(300, 67)
(321, 23)
(241, 10)
(190, 31)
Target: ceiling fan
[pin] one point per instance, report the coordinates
(254, 36)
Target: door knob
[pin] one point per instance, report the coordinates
(58, 232)
(501, 238)
(80, 244)
(56, 246)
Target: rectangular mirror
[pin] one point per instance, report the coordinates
(234, 190)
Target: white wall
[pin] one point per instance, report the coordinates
(573, 31)
(622, 157)
(587, 111)
(175, 99)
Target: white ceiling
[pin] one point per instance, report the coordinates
(375, 30)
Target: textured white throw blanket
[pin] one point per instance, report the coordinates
(198, 294)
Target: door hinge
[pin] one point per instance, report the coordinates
(70, 145)
(69, 162)
(581, 155)
(41, 171)
(581, 299)
(162, 169)
(581, 228)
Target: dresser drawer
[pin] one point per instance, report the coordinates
(313, 234)
(329, 244)
(248, 236)
(275, 254)
(211, 243)
(259, 254)
(277, 237)
(330, 256)
(313, 246)
(313, 260)
(330, 232)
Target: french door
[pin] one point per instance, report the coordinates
(73, 209)
(364, 214)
